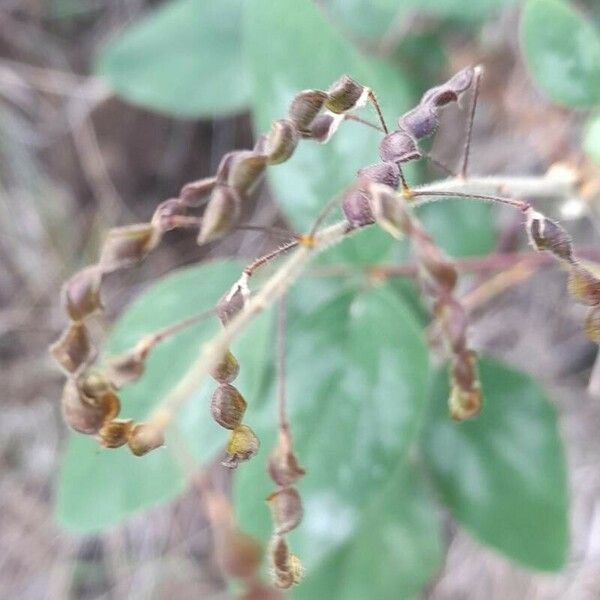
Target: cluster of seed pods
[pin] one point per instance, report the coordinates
(584, 286)
(401, 146)
(438, 279)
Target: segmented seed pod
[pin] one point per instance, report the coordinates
(245, 170)
(115, 433)
(73, 349)
(286, 568)
(221, 214)
(144, 438)
(280, 143)
(304, 108)
(346, 94)
(283, 466)
(227, 369)
(126, 368)
(398, 146)
(583, 286)
(125, 246)
(286, 509)
(227, 406)
(546, 234)
(163, 216)
(323, 127)
(242, 446)
(194, 193)
(230, 304)
(384, 173)
(388, 209)
(82, 293)
(83, 414)
(357, 209)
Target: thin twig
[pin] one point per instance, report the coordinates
(472, 108)
(284, 426)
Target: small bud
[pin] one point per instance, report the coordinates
(420, 122)
(324, 126)
(73, 349)
(125, 246)
(388, 209)
(227, 369)
(385, 173)
(592, 325)
(584, 286)
(227, 406)
(143, 438)
(82, 293)
(83, 415)
(245, 170)
(283, 466)
(346, 94)
(304, 108)
(221, 214)
(280, 143)
(243, 445)
(230, 304)
(192, 194)
(357, 209)
(115, 433)
(286, 509)
(240, 554)
(397, 147)
(545, 234)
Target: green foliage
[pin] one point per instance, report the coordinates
(357, 389)
(502, 475)
(98, 488)
(183, 59)
(562, 52)
(591, 143)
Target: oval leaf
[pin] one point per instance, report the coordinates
(562, 52)
(502, 475)
(97, 487)
(183, 59)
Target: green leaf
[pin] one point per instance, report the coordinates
(503, 475)
(395, 550)
(357, 367)
(98, 488)
(183, 59)
(562, 52)
(591, 141)
(290, 47)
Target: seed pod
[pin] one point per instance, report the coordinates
(73, 349)
(143, 438)
(283, 466)
(388, 209)
(286, 509)
(592, 324)
(230, 304)
(420, 122)
(324, 126)
(545, 234)
(280, 143)
(287, 569)
(243, 445)
(346, 94)
(115, 433)
(162, 218)
(245, 170)
(81, 414)
(125, 246)
(221, 214)
(227, 369)
(584, 286)
(357, 209)
(385, 173)
(82, 293)
(126, 368)
(192, 194)
(397, 147)
(95, 384)
(304, 108)
(227, 406)
(240, 554)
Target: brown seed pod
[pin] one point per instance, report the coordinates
(345, 94)
(162, 218)
(143, 438)
(304, 108)
(388, 209)
(227, 406)
(227, 369)
(221, 214)
(125, 246)
(286, 509)
(115, 433)
(583, 286)
(280, 143)
(126, 368)
(592, 324)
(230, 304)
(546, 234)
(193, 194)
(283, 466)
(286, 568)
(82, 293)
(73, 349)
(85, 415)
(240, 553)
(397, 147)
(242, 446)
(245, 170)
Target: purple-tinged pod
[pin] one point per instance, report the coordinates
(82, 293)
(125, 246)
(74, 349)
(221, 214)
(386, 173)
(304, 108)
(346, 94)
(397, 147)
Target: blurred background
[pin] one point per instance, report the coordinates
(108, 107)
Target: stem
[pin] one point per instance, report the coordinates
(284, 425)
(520, 204)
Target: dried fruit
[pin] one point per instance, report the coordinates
(221, 214)
(227, 369)
(286, 509)
(74, 349)
(144, 438)
(227, 406)
(115, 433)
(125, 246)
(82, 293)
(243, 445)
